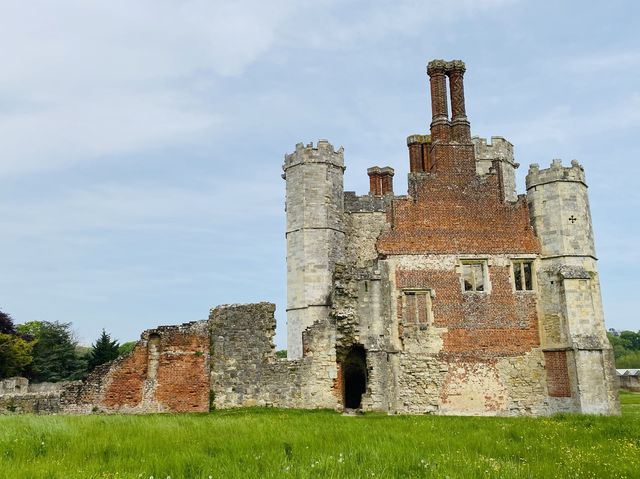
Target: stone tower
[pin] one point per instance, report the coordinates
(572, 320)
(315, 235)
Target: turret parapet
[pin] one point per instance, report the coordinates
(499, 149)
(556, 172)
(497, 158)
(323, 152)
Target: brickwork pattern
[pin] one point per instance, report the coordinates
(558, 381)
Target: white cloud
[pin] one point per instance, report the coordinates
(84, 80)
(140, 207)
(97, 79)
(603, 62)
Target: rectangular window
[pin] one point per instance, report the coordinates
(416, 306)
(523, 275)
(474, 276)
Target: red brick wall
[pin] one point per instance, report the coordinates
(182, 378)
(127, 380)
(557, 374)
(500, 323)
(455, 211)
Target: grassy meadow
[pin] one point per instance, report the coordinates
(274, 443)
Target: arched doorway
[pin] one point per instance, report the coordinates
(354, 377)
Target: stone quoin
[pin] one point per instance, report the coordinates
(460, 297)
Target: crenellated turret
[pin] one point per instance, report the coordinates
(315, 234)
(572, 315)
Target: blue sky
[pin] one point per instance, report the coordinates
(141, 142)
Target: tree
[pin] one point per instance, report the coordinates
(626, 349)
(6, 324)
(15, 350)
(54, 352)
(15, 355)
(103, 351)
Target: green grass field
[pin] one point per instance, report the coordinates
(263, 443)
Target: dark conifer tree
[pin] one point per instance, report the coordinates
(104, 350)
(54, 352)
(6, 324)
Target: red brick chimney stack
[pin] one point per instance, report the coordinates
(460, 128)
(419, 153)
(375, 183)
(440, 126)
(380, 180)
(386, 176)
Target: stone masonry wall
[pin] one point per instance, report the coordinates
(246, 372)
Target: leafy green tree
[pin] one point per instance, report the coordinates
(626, 349)
(15, 350)
(15, 355)
(103, 351)
(54, 352)
(282, 354)
(126, 348)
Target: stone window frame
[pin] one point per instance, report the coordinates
(428, 294)
(512, 268)
(485, 274)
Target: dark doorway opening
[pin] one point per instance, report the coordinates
(354, 374)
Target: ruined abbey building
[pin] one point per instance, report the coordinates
(460, 297)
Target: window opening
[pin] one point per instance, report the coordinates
(473, 276)
(523, 275)
(416, 306)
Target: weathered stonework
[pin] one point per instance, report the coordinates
(460, 297)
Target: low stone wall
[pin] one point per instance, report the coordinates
(19, 396)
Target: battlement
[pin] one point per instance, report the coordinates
(556, 172)
(323, 152)
(499, 149)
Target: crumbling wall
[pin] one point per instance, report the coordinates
(167, 371)
(246, 372)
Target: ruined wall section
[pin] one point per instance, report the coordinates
(360, 299)
(18, 395)
(167, 371)
(246, 372)
(572, 314)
